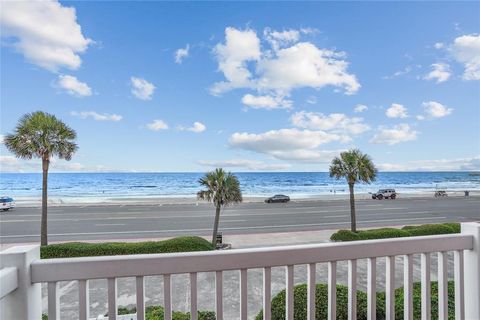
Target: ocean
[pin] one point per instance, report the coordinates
(94, 187)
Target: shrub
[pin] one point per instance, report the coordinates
(321, 303)
(85, 249)
(407, 231)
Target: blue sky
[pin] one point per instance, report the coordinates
(248, 86)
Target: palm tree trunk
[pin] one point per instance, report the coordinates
(43, 227)
(215, 225)
(352, 208)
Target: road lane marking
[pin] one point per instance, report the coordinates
(109, 224)
(228, 228)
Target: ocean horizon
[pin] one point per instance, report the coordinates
(98, 186)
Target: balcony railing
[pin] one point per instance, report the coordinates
(22, 273)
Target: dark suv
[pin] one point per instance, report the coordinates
(278, 198)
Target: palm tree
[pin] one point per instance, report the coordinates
(222, 189)
(42, 135)
(355, 167)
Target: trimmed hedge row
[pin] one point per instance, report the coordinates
(407, 231)
(321, 298)
(85, 249)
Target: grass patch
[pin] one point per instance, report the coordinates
(321, 298)
(407, 231)
(85, 249)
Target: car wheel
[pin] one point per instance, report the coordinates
(380, 197)
(393, 197)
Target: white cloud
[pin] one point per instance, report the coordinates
(157, 125)
(96, 116)
(266, 102)
(240, 47)
(2, 138)
(182, 53)
(440, 72)
(435, 109)
(396, 111)
(399, 73)
(459, 164)
(466, 50)
(439, 45)
(197, 127)
(335, 122)
(244, 163)
(311, 100)
(141, 88)
(45, 32)
(393, 135)
(360, 108)
(73, 86)
(290, 65)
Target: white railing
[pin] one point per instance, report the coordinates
(466, 248)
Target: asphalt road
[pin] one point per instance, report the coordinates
(95, 222)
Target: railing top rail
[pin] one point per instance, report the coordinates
(8, 280)
(177, 263)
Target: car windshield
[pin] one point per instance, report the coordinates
(3, 200)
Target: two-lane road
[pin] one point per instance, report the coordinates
(90, 222)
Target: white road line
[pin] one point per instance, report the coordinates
(228, 228)
(109, 224)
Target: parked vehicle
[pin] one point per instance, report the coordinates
(6, 203)
(384, 194)
(278, 198)
(441, 193)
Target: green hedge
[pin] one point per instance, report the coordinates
(407, 231)
(85, 249)
(321, 299)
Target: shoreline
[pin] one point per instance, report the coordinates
(184, 200)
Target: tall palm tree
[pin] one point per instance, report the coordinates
(42, 135)
(222, 189)
(355, 167)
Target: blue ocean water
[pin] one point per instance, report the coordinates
(91, 186)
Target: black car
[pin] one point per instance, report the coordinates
(278, 198)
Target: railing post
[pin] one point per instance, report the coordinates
(26, 301)
(472, 272)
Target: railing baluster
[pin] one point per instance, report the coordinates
(83, 300)
(267, 293)
(167, 296)
(311, 291)
(352, 289)
(193, 296)
(112, 298)
(390, 288)
(408, 287)
(332, 290)
(53, 301)
(371, 288)
(426, 288)
(289, 293)
(243, 294)
(459, 283)
(442, 286)
(219, 294)
(140, 295)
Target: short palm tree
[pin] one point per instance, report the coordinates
(222, 189)
(42, 135)
(355, 167)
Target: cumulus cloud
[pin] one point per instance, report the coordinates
(393, 135)
(141, 88)
(359, 108)
(435, 109)
(336, 122)
(197, 127)
(44, 32)
(11, 164)
(157, 125)
(73, 86)
(396, 111)
(459, 164)
(244, 163)
(96, 116)
(266, 102)
(181, 54)
(466, 50)
(440, 72)
(2, 138)
(289, 64)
